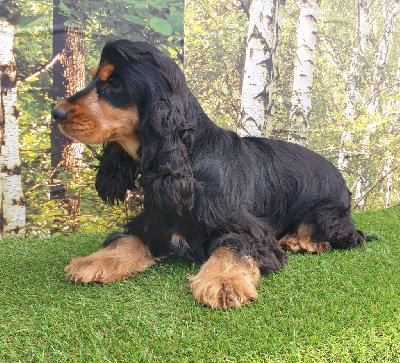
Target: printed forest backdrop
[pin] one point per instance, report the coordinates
(325, 74)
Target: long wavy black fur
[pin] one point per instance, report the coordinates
(116, 173)
(205, 187)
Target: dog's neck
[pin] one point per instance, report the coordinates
(131, 145)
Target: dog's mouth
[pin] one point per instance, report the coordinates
(87, 118)
(88, 132)
(112, 136)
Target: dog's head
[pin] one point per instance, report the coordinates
(137, 99)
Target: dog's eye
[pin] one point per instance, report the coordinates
(113, 83)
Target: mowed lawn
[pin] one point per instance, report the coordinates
(341, 306)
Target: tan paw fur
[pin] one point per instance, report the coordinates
(225, 280)
(302, 241)
(118, 261)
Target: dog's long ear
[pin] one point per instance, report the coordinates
(166, 135)
(116, 173)
(167, 177)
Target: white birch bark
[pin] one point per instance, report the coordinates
(303, 69)
(261, 73)
(389, 182)
(353, 96)
(392, 106)
(381, 57)
(362, 29)
(374, 94)
(12, 206)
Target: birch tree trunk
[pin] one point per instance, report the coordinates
(303, 70)
(381, 57)
(376, 85)
(353, 96)
(392, 107)
(362, 29)
(12, 206)
(389, 182)
(261, 68)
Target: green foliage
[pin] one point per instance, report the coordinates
(374, 137)
(214, 49)
(338, 306)
(157, 21)
(215, 32)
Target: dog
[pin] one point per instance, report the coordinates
(233, 204)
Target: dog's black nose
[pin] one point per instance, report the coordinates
(59, 114)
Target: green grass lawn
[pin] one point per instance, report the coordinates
(341, 306)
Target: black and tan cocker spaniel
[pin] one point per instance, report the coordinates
(209, 196)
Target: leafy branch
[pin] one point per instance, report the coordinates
(372, 187)
(48, 65)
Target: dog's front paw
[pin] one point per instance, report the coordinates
(118, 261)
(222, 292)
(226, 281)
(89, 269)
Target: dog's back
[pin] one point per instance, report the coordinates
(296, 181)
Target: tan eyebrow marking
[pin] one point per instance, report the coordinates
(94, 71)
(105, 71)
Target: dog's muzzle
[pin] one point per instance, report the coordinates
(59, 114)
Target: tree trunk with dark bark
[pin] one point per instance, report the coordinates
(68, 78)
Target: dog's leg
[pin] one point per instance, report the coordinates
(120, 259)
(225, 280)
(302, 241)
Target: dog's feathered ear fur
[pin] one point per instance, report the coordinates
(160, 92)
(116, 173)
(167, 177)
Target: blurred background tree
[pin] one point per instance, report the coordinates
(354, 94)
(348, 50)
(54, 56)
